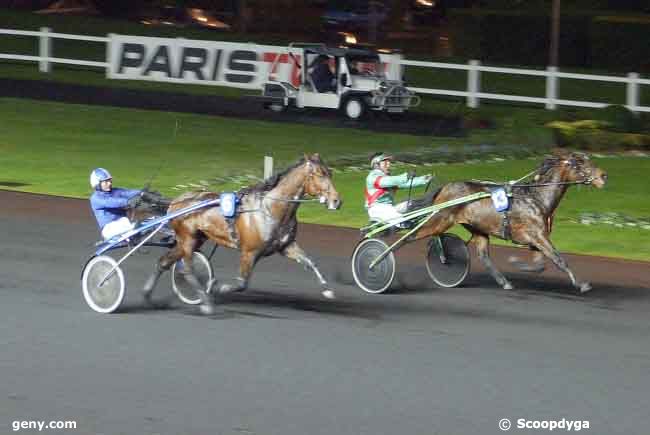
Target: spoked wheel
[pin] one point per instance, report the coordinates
(447, 260)
(381, 276)
(103, 290)
(202, 271)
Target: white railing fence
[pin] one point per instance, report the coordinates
(473, 94)
(44, 57)
(552, 74)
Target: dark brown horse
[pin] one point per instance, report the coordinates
(265, 224)
(529, 219)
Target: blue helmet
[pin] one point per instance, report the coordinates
(97, 176)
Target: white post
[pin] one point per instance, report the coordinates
(551, 88)
(473, 83)
(109, 54)
(268, 167)
(632, 100)
(44, 50)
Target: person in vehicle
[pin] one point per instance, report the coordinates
(323, 74)
(110, 204)
(381, 187)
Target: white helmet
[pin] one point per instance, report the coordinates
(97, 176)
(377, 158)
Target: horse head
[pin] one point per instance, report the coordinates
(318, 182)
(573, 167)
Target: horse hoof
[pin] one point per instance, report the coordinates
(146, 295)
(507, 286)
(585, 287)
(328, 294)
(229, 288)
(226, 288)
(207, 309)
(147, 289)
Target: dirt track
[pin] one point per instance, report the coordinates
(281, 360)
(340, 242)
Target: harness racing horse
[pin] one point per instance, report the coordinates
(529, 218)
(265, 224)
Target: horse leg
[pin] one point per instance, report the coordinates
(482, 250)
(295, 252)
(537, 265)
(247, 260)
(547, 248)
(437, 224)
(163, 264)
(185, 247)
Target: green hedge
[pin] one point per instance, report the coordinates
(610, 129)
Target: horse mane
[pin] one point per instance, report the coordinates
(194, 196)
(261, 187)
(272, 182)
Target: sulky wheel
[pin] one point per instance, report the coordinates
(202, 271)
(102, 283)
(447, 260)
(380, 277)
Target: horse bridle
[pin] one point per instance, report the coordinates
(322, 197)
(587, 175)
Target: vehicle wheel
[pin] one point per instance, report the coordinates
(103, 290)
(447, 260)
(354, 108)
(202, 271)
(381, 276)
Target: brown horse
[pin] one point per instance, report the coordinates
(265, 224)
(528, 221)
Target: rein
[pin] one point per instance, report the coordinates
(587, 180)
(291, 200)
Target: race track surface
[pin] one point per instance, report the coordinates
(280, 360)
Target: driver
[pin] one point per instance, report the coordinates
(380, 187)
(324, 74)
(109, 204)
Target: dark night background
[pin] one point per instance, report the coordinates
(608, 35)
